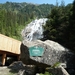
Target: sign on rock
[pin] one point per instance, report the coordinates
(36, 51)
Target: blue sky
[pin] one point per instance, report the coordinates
(38, 1)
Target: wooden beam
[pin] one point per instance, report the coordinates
(3, 59)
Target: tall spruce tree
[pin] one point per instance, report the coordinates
(71, 28)
(60, 26)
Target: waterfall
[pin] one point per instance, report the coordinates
(34, 30)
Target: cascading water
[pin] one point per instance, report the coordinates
(34, 30)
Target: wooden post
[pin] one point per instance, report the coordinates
(3, 59)
(18, 57)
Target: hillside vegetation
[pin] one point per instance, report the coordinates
(60, 26)
(14, 16)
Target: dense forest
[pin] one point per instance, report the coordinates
(14, 16)
(60, 26)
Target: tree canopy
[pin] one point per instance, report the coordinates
(60, 26)
(14, 16)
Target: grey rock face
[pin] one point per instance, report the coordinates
(58, 71)
(53, 52)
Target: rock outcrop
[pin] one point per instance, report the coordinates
(58, 71)
(53, 52)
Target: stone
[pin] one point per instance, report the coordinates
(58, 71)
(22, 69)
(37, 74)
(25, 56)
(53, 53)
(17, 65)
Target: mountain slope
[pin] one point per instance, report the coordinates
(14, 16)
(41, 10)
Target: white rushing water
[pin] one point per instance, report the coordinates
(34, 30)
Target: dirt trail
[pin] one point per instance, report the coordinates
(7, 71)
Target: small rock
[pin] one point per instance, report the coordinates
(17, 65)
(37, 74)
(58, 71)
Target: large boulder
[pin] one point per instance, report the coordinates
(53, 53)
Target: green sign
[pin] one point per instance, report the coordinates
(36, 51)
